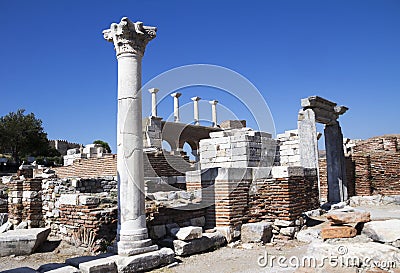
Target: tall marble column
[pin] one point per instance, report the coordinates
(176, 106)
(153, 92)
(130, 40)
(196, 110)
(214, 112)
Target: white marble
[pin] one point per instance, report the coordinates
(196, 110)
(153, 92)
(176, 105)
(214, 112)
(130, 40)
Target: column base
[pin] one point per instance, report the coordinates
(130, 248)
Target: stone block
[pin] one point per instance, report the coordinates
(206, 242)
(198, 221)
(289, 231)
(23, 241)
(5, 227)
(22, 225)
(3, 218)
(158, 231)
(69, 199)
(58, 268)
(103, 265)
(387, 231)
(88, 200)
(348, 217)
(286, 171)
(283, 223)
(187, 233)
(234, 174)
(256, 232)
(170, 227)
(145, 261)
(333, 232)
(309, 235)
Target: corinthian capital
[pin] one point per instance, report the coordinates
(129, 37)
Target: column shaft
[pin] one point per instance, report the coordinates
(336, 165)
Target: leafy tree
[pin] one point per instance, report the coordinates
(22, 135)
(104, 144)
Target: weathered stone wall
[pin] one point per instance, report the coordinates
(288, 152)
(155, 165)
(237, 148)
(3, 200)
(62, 145)
(25, 202)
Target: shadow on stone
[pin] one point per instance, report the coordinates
(75, 262)
(48, 246)
(20, 270)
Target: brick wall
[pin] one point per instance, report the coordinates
(157, 164)
(25, 202)
(377, 166)
(283, 198)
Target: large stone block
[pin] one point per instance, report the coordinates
(69, 199)
(256, 232)
(187, 233)
(88, 200)
(22, 241)
(286, 171)
(348, 217)
(387, 231)
(206, 242)
(333, 232)
(145, 261)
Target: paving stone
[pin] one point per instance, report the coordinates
(338, 232)
(256, 232)
(386, 231)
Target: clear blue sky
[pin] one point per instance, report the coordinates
(55, 63)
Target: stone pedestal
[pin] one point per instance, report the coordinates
(130, 40)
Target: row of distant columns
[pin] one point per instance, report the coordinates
(176, 96)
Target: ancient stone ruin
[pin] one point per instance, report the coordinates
(145, 205)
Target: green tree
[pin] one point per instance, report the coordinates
(22, 135)
(104, 144)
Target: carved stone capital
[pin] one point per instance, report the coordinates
(129, 37)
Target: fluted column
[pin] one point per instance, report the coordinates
(153, 92)
(176, 105)
(196, 110)
(130, 40)
(214, 112)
